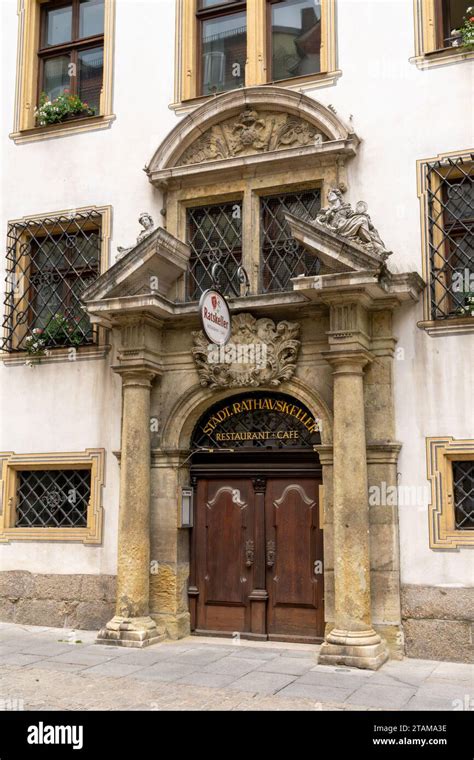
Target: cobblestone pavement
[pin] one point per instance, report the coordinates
(50, 668)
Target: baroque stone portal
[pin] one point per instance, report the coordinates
(260, 352)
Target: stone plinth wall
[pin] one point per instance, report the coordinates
(438, 622)
(73, 601)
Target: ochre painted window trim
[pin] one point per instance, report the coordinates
(186, 64)
(452, 325)
(100, 349)
(11, 464)
(427, 52)
(24, 129)
(440, 454)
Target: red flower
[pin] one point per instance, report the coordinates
(471, 19)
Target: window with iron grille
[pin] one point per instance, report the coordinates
(463, 486)
(49, 264)
(214, 236)
(282, 257)
(52, 498)
(450, 207)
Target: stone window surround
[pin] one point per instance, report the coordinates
(440, 453)
(24, 129)
(265, 173)
(89, 459)
(427, 54)
(99, 350)
(452, 325)
(186, 84)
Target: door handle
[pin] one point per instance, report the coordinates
(249, 553)
(271, 551)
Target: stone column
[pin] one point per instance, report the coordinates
(352, 641)
(132, 625)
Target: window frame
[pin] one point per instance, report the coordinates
(248, 192)
(441, 452)
(73, 47)
(428, 33)
(220, 10)
(88, 350)
(27, 89)
(12, 464)
(425, 189)
(257, 71)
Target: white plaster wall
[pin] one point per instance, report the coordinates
(401, 115)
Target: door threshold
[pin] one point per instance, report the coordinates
(235, 635)
(222, 638)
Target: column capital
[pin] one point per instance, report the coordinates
(348, 361)
(142, 375)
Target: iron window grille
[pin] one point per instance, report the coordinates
(463, 486)
(450, 191)
(49, 264)
(215, 236)
(53, 498)
(282, 257)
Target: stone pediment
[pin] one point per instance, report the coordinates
(255, 126)
(152, 266)
(259, 352)
(342, 237)
(337, 253)
(252, 132)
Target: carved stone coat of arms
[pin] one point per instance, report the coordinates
(259, 352)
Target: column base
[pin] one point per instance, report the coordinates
(130, 632)
(356, 649)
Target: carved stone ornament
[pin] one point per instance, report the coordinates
(252, 132)
(146, 221)
(353, 224)
(259, 352)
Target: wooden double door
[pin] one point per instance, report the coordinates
(257, 557)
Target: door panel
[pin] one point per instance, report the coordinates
(250, 541)
(294, 544)
(222, 536)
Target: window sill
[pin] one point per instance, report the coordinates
(80, 535)
(442, 57)
(65, 128)
(452, 326)
(82, 353)
(299, 84)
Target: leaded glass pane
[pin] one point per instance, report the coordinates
(215, 236)
(282, 256)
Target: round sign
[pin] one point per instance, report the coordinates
(215, 317)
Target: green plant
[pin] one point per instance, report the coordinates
(55, 111)
(467, 29)
(63, 331)
(59, 331)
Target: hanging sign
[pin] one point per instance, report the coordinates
(215, 317)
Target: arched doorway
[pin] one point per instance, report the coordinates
(256, 546)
